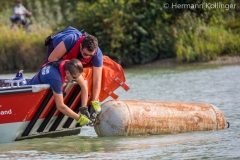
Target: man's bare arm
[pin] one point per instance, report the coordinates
(58, 52)
(84, 90)
(97, 79)
(64, 108)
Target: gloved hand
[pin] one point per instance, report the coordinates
(83, 120)
(95, 109)
(84, 111)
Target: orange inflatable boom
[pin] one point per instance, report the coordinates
(112, 78)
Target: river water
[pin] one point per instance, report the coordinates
(218, 85)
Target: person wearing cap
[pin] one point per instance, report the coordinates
(55, 74)
(19, 13)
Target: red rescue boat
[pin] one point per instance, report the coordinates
(29, 111)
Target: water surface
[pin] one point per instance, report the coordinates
(218, 85)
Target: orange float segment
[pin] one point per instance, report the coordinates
(112, 78)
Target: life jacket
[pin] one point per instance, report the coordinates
(60, 66)
(73, 53)
(112, 78)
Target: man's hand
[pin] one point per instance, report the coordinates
(83, 120)
(84, 111)
(95, 109)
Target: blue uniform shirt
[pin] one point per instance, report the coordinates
(48, 75)
(69, 37)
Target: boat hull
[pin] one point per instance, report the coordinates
(30, 111)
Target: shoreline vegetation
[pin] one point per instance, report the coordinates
(132, 33)
(171, 62)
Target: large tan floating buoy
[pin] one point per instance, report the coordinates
(131, 117)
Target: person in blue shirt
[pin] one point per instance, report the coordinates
(55, 74)
(71, 43)
(19, 13)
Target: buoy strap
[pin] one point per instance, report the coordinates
(110, 93)
(121, 83)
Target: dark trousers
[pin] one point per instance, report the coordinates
(15, 19)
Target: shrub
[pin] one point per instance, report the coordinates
(197, 41)
(21, 50)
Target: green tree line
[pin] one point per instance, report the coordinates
(129, 31)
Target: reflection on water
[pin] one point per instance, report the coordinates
(188, 145)
(219, 86)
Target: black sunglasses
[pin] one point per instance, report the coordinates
(85, 54)
(74, 78)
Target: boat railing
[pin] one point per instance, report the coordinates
(8, 86)
(15, 83)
